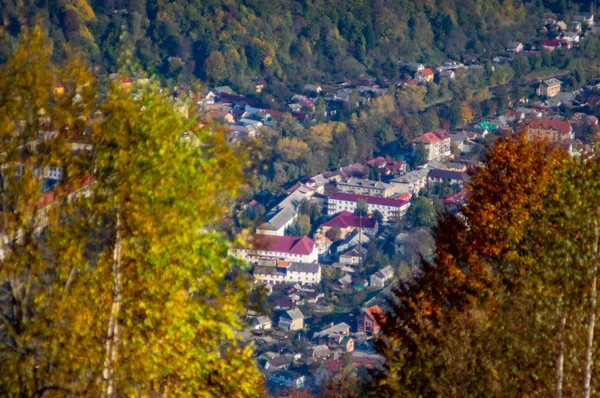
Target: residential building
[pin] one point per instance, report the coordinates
(424, 75)
(447, 74)
(319, 351)
(291, 320)
(347, 222)
(353, 256)
(450, 176)
(287, 378)
(550, 130)
(261, 323)
(333, 332)
(379, 278)
(286, 248)
(313, 88)
(586, 19)
(411, 182)
(269, 275)
(571, 37)
(307, 274)
(285, 213)
(514, 47)
(369, 320)
(361, 186)
(387, 167)
(552, 45)
(437, 144)
(389, 208)
(415, 66)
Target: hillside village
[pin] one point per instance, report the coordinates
(324, 257)
(318, 296)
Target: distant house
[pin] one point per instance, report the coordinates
(389, 208)
(584, 119)
(572, 37)
(313, 88)
(552, 45)
(369, 320)
(291, 320)
(411, 182)
(347, 222)
(379, 278)
(415, 66)
(353, 256)
(286, 248)
(436, 142)
(450, 176)
(361, 186)
(304, 273)
(319, 351)
(447, 74)
(586, 19)
(514, 47)
(386, 167)
(549, 88)
(262, 323)
(287, 378)
(550, 129)
(424, 75)
(561, 25)
(224, 90)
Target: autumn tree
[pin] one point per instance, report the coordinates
(118, 287)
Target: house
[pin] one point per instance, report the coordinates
(224, 90)
(411, 182)
(259, 85)
(379, 278)
(319, 351)
(261, 323)
(307, 274)
(586, 19)
(550, 129)
(450, 176)
(286, 248)
(424, 75)
(447, 74)
(561, 25)
(287, 378)
(361, 186)
(571, 37)
(269, 275)
(584, 119)
(285, 213)
(291, 320)
(386, 167)
(389, 208)
(514, 47)
(551, 45)
(353, 256)
(313, 88)
(437, 144)
(346, 222)
(575, 26)
(415, 66)
(333, 332)
(369, 321)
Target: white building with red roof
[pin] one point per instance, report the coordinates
(272, 247)
(437, 144)
(389, 208)
(550, 130)
(424, 75)
(347, 222)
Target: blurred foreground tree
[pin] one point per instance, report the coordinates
(113, 283)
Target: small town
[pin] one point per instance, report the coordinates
(259, 201)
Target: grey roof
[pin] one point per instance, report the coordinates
(551, 82)
(449, 174)
(285, 211)
(412, 176)
(340, 328)
(360, 182)
(261, 320)
(311, 268)
(294, 314)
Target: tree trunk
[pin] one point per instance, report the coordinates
(560, 356)
(112, 335)
(591, 322)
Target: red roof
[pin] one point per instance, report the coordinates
(372, 200)
(284, 244)
(431, 137)
(550, 43)
(375, 313)
(561, 126)
(454, 199)
(379, 162)
(406, 197)
(51, 197)
(345, 219)
(426, 72)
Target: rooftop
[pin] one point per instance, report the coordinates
(561, 126)
(372, 200)
(346, 219)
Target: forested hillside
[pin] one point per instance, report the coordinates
(283, 41)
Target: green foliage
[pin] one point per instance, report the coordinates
(421, 213)
(420, 155)
(362, 208)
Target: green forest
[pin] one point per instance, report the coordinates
(287, 42)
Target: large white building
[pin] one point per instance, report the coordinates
(285, 213)
(389, 208)
(273, 247)
(361, 186)
(304, 273)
